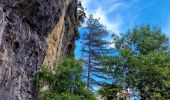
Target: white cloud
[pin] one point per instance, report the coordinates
(103, 11)
(167, 27)
(113, 26)
(114, 6)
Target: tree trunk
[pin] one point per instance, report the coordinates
(89, 65)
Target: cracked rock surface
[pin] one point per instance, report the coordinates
(32, 33)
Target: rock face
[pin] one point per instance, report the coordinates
(32, 33)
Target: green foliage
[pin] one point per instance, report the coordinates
(64, 83)
(83, 94)
(109, 91)
(143, 61)
(63, 96)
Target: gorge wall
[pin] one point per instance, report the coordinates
(33, 33)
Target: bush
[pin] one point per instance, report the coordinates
(109, 91)
(64, 83)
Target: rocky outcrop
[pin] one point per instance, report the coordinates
(32, 33)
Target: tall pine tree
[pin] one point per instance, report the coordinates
(94, 48)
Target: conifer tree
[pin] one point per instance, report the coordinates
(94, 47)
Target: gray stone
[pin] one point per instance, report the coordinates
(26, 28)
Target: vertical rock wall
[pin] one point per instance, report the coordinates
(61, 40)
(32, 32)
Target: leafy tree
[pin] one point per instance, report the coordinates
(94, 47)
(142, 61)
(64, 83)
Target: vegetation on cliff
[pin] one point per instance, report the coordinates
(65, 83)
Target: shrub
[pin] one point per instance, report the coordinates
(64, 83)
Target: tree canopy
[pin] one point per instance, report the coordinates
(142, 62)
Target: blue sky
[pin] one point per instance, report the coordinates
(120, 15)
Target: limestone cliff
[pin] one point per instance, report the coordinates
(32, 33)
